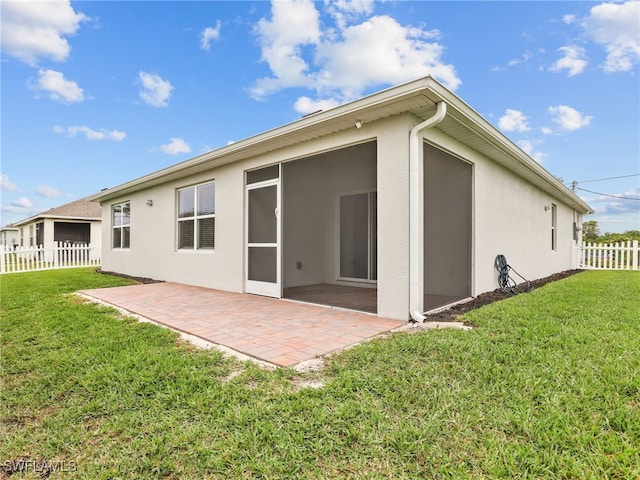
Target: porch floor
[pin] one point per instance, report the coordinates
(279, 332)
(342, 296)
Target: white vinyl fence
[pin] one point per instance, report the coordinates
(607, 256)
(48, 257)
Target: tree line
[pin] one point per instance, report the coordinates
(591, 233)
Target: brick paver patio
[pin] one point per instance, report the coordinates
(280, 332)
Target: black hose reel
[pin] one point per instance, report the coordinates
(505, 281)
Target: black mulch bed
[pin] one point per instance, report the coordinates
(451, 314)
(122, 275)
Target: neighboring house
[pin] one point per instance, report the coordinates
(408, 194)
(78, 222)
(9, 235)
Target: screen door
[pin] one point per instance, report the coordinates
(263, 237)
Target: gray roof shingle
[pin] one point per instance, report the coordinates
(79, 209)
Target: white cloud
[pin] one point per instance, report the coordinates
(22, 202)
(33, 30)
(616, 26)
(292, 26)
(354, 63)
(513, 121)
(305, 105)
(89, 133)
(48, 191)
(155, 91)
(569, 118)
(573, 60)
(340, 62)
(344, 11)
(514, 62)
(176, 146)
(209, 34)
(529, 148)
(569, 19)
(6, 185)
(59, 88)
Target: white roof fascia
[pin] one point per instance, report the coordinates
(426, 88)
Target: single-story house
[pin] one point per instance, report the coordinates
(400, 200)
(77, 222)
(9, 235)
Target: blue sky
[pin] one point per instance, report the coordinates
(98, 93)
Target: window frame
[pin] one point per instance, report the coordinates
(554, 227)
(122, 227)
(195, 219)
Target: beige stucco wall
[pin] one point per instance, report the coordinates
(153, 250)
(96, 233)
(10, 237)
(48, 231)
(508, 218)
(393, 217)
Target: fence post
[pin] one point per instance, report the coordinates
(55, 248)
(3, 258)
(634, 254)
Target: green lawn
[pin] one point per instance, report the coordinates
(546, 386)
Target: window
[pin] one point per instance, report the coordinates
(554, 227)
(197, 217)
(121, 222)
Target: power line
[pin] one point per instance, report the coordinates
(608, 195)
(610, 178)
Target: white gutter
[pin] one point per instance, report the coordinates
(416, 213)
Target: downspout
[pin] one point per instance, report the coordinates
(416, 213)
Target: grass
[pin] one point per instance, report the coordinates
(546, 386)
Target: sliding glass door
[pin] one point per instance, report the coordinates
(358, 237)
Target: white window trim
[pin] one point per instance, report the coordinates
(554, 227)
(120, 227)
(195, 219)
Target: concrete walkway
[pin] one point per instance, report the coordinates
(279, 332)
